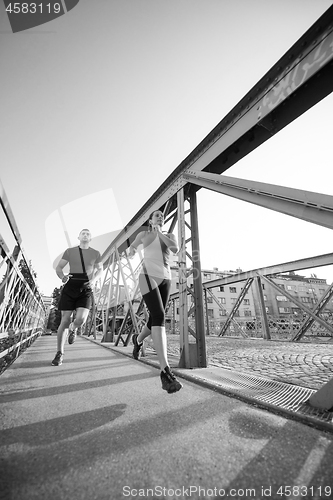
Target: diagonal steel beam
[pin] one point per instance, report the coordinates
(317, 310)
(306, 205)
(299, 304)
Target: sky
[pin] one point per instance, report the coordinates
(101, 105)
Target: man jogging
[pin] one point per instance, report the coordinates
(85, 267)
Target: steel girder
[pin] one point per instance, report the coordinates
(297, 265)
(191, 354)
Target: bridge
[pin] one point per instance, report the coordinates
(94, 430)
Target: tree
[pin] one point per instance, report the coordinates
(28, 273)
(55, 315)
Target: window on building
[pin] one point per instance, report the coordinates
(222, 300)
(284, 310)
(321, 291)
(305, 299)
(280, 285)
(291, 287)
(281, 298)
(177, 310)
(221, 288)
(311, 290)
(237, 314)
(265, 297)
(301, 289)
(223, 313)
(267, 309)
(209, 300)
(247, 313)
(233, 301)
(232, 289)
(177, 286)
(246, 302)
(211, 313)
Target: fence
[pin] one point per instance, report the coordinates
(22, 311)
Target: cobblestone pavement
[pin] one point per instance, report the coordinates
(304, 364)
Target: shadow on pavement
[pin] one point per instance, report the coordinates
(92, 384)
(58, 429)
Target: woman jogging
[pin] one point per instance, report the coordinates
(155, 283)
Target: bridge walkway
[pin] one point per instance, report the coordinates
(100, 427)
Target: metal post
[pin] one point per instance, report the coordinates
(206, 308)
(197, 284)
(183, 318)
(173, 317)
(264, 321)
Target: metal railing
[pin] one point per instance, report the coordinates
(276, 303)
(22, 310)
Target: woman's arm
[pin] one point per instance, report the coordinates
(170, 241)
(138, 241)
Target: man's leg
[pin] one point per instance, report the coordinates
(61, 336)
(145, 332)
(138, 341)
(80, 318)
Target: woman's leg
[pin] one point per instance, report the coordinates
(160, 345)
(156, 300)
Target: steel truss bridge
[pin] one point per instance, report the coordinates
(300, 79)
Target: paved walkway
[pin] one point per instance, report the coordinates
(100, 427)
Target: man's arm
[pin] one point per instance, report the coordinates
(59, 271)
(98, 269)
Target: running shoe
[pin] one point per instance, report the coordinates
(58, 359)
(71, 334)
(137, 346)
(169, 381)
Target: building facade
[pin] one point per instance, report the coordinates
(281, 310)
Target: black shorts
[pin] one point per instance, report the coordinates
(76, 293)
